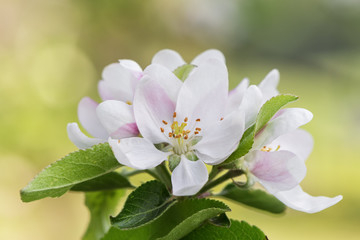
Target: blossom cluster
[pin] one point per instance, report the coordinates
(150, 116)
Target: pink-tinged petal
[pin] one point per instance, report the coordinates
(269, 84)
(236, 96)
(80, 139)
(152, 106)
(299, 142)
(251, 104)
(221, 139)
(104, 92)
(119, 81)
(117, 118)
(89, 120)
(141, 153)
(188, 177)
(125, 131)
(285, 121)
(276, 171)
(204, 94)
(299, 200)
(169, 59)
(208, 54)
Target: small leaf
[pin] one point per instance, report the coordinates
(183, 71)
(109, 181)
(237, 231)
(75, 168)
(253, 198)
(271, 107)
(143, 205)
(176, 222)
(101, 205)
(267, 111)
(221, 221)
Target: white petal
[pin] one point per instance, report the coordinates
(284, 121)
(188, 177)
(104, 92)
(117, 118)
(204, 94)
(297, 199)
(236, 96)
(221, 139)
(208, 54)
(169, 59)
(269, 84)
(276, 171)
(251, 104)
(153, 104)
(120, 81)
(130, 64)
(299, 142)
(119, 155)
(141, 153)
(88, 118)
(80, 139)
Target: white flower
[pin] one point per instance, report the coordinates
(250, 99)
(119, 83)
(187, 118)
(277, 160)
(172, 60)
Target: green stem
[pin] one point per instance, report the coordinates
(153, 174)
(214, 171)
(223, 178)
(132, 173)
(164, 175)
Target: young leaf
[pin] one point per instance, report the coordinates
(253, 198)
(183, 71)
(77, 167)
(101, 205)
(109, 181)
(237, 231)
(266, 112)
(143, 205)
(176, 222)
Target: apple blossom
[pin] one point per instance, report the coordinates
(182, 122)
(277, 160)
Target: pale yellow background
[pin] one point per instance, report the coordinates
(52, 53)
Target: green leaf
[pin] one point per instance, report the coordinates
(267, 111)
(253, 198)
(109, 181)
(271, 107)
(183, 71)
(237, 231)
(221, 221)
(143, 205)
(77, 167)
(101, 205)
(176, 222)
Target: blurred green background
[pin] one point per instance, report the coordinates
(52, 54)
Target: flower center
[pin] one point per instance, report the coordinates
(182, 139)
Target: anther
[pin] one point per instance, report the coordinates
(186, 137)
(196, 132)
(129, 103)
(119, 141)
(165, 122)
(221, 119)
(174, 115)
(198, 120)
(161, 129)
(170, 134)
(198, 129)
(186, 119)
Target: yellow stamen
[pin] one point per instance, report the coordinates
(129, 103)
